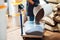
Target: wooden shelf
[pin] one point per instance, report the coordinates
(16, 3)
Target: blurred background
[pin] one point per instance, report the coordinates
(10, 19)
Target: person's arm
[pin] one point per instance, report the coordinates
(30, 1)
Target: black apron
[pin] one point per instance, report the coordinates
(30, 8)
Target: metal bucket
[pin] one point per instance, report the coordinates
(47, 9)
(41, 11)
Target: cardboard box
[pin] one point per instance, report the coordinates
(52, 0)
(57, 1)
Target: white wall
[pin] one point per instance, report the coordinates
(1, 2)
(3, 21)
(3, 24)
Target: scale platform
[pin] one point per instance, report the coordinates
(29, 27)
